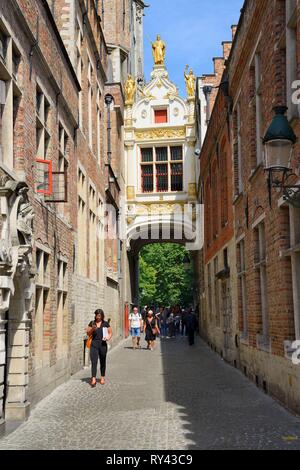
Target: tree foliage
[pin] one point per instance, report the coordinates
(164, 279)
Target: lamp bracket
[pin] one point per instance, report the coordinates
(291, 192)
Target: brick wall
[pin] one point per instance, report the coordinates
(261, 32)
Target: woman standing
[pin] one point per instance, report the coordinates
(151, 329)
(101, 332)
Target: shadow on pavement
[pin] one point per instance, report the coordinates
(220, 408)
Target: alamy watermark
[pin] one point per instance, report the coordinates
(296, 353)
(155, 222)
(296, 94)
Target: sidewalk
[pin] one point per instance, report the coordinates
(174, 398)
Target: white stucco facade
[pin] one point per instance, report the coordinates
(141, 131)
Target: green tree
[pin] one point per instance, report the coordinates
(164, 278)
(147, 282)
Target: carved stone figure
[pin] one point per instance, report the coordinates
(5, 252)
(25, 217)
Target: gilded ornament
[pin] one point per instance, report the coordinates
(160, 134)
(147, 95)
(130, 89)
(190, 81)
(159, 51)
(130, 192)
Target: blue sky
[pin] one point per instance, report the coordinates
(193, 31)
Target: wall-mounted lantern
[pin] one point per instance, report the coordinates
(279, 143)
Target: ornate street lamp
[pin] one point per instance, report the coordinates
(279, 142)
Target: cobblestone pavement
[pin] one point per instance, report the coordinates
(176, 398)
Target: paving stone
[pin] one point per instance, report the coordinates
(177, 398)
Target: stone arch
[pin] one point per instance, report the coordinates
(155, 230)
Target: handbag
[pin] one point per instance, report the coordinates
(155, 330)
(89, 342)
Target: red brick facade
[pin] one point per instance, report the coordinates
(262, 240)
(58, 114)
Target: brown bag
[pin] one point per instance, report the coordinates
(89, 342)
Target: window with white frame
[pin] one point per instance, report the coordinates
(93, 258)
(217, 293)
(257, 77)
(239, 149)
(43, 162)
(261, 268)
(82, 224)
(62, 307)
(10, 94)
(90, 105)
(295, 259)
(101, 241)
(242, 286)
(162, 169)
(79, 43)
(98, 125)
(42, 299)
(209, 285)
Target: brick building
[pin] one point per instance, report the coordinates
(57, 172)
(257, 240)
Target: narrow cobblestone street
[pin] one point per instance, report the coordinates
(173, 398)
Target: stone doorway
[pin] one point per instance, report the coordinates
(16, 406)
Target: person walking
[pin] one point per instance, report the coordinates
(144, 313)
(101, 333)
(191, 325)
(171, 325)
(183, 322)
(158, 316)
(136, 321)
(151, 329)
(164, 323)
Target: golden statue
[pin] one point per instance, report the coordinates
(190, 81)
(130, 89)
(159, 51)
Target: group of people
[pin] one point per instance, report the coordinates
(166, 323)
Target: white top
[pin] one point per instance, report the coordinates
(135, 320)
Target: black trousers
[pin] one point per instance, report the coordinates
(98, 351)
(191, 335)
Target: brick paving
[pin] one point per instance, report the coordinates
(176, 398)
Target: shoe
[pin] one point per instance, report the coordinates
(102, 381)
(93, 385)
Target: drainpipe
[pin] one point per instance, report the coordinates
(108, 101)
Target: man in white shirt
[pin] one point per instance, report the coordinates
(135, 320)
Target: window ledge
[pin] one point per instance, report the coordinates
(263, 343)
(244, 338)
(4, 73)
(255, 172)
(290, 251)
(16, 89)
(238, 198)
